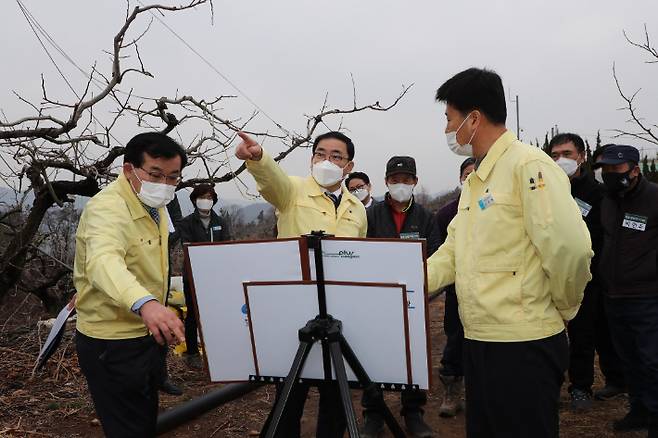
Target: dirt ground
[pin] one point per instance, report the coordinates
(54, 401)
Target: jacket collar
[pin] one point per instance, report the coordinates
(136, 208)
(214, 217)
(389, 203)
(315, 189)
(639, 187)
(495, 152)
(585, 178)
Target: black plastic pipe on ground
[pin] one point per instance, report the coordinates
(188, 411)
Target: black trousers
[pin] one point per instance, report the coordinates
(191, 337)
(634, 330)
(588, 332)
(412, 400)
(123, 377)
(609, 360)
(582, 339)
(331, 418)
(513, 388)
(453, 355)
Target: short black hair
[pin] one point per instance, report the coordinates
(357, 175)
(338, 136)
(598, 151)
(470, 161)
(475, 89)
(156, 144)
(567, 137)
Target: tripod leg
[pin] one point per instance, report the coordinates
(291, 380)
(365, 381)
(345, 396)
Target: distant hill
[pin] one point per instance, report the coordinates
(248, 209)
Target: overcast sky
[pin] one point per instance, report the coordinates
(286, 54)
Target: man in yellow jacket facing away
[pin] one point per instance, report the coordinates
(121, 277)
(519, 254)
(317, 202)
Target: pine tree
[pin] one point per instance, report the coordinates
(598, 139)
(645, 166)
(588, 156)
(545, 147)
(653, 173)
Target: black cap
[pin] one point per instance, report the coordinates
(618, 154)
(401, 165)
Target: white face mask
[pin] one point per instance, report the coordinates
(401, 192)
(327, 173)
(361, 194)
(460, 149)
(568, 165)
(204, 204)
(155, 195)
(598, 175)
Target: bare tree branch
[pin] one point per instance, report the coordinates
(645, 46)
(647, 134)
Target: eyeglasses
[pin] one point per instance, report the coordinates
(160, 177)
(334, 158)
(359, 187)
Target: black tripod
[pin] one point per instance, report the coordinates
(328, 331)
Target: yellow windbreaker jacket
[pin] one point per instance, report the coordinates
(518, 250)
(120, 256)
(302, 205)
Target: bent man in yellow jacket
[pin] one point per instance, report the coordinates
(519, 255)
(121, 276)
(316, 202)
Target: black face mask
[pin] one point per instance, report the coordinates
(617, 182)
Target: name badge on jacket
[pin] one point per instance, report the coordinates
(486, 201)
(635, 222)
(411, 235)
(585, 208)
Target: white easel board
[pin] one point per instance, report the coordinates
(398, 261)
(218, 271)
(380, 339)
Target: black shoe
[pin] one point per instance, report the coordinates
(635, 419)
(373, 425)
(416, 425)
(194, 361)
(169, 388)
(609, 391)
(580, 400)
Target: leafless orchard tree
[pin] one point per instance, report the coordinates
(641, 128)
(62, 149)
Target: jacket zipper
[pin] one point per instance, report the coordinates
(615, 247)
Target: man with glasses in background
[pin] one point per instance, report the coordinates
(121, 275)
(358, 183)
(306, 204)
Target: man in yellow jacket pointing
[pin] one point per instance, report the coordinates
(305, 204)
(519, 254)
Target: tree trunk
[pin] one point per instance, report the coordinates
(13, 258)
